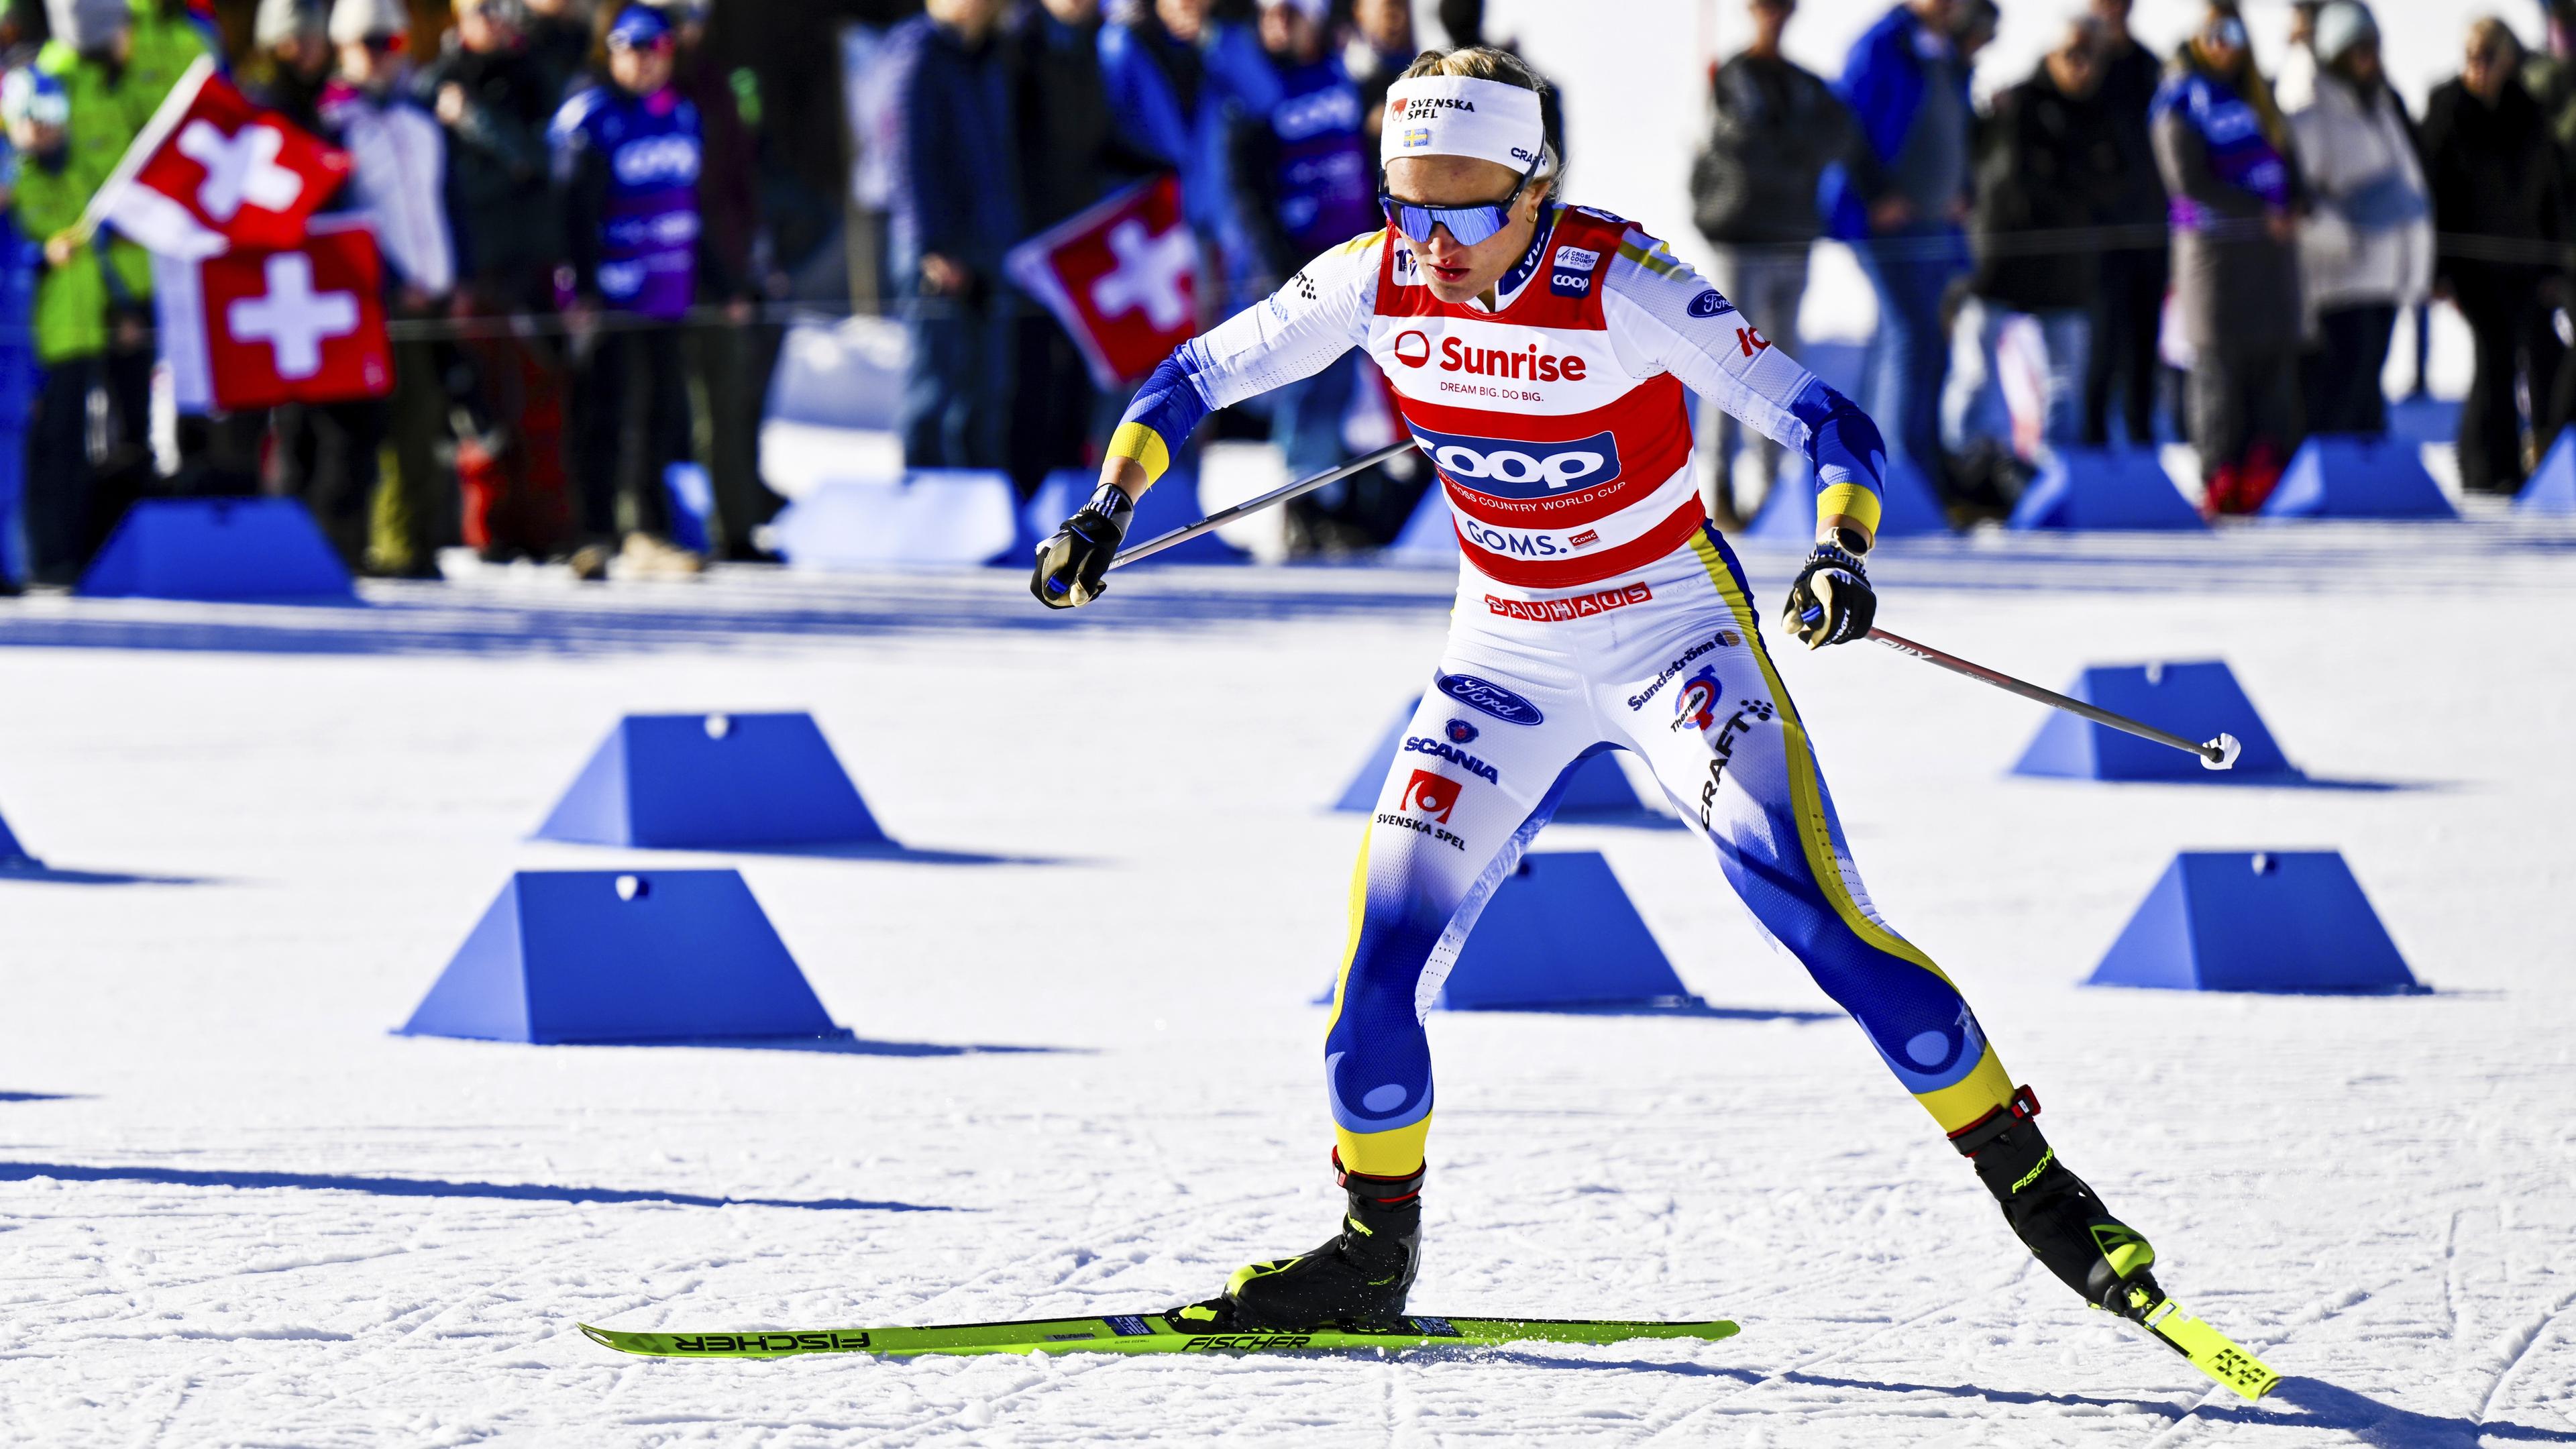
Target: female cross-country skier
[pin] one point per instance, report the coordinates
(1539, 352)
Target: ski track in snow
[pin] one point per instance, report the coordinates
(234, 1210)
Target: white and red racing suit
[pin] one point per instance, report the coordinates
(1596, 609)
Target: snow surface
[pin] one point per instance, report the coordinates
(235, 1210)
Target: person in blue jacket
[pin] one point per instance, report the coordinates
(627, 155)
(1305, 167)
(1179, 83)
(1902, 198)
(956, 210)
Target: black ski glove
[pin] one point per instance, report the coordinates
(1073, 566)
(1831, 602)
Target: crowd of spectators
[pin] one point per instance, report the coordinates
(593, 212)
(2184, 237)
(1004, 120)
(581, 211)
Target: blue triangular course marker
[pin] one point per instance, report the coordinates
(622, 957)
(216, 550)
(1906, 503)
(927, 518)
(2337, 475)
(1561, 934)
(14, 856)
(713, 781)
(1429, 538)
(2105, 488)
(2199, 700)
(2552, 487)
(1595, 790)
(2256, 921)
(1360, 795)
(1173, 502)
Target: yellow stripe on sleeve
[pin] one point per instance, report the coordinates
(1662, 263)
(1849, 500)
(1137, 441)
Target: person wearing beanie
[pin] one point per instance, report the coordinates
(2366, 241)
(2223, 150)
(627, 160)
(294, 60)
(89, 26)
(71, 322)
(114, 62)
(327, 454)
(356, 21)
(494, 100)
(398, 180)
(276, 22)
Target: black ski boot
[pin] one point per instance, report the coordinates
(1361, 1276)
(2064, 1225)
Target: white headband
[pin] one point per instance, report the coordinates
(1456, 115)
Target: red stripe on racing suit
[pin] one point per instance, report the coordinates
(1555, 416)
(1562, 468)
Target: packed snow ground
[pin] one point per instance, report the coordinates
(235, 1210)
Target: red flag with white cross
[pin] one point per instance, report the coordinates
(212, 171)
(252, 329)
(1122, 276)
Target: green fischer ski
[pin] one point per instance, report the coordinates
(1143, 1333)
(2211, 1351)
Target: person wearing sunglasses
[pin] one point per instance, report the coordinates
(1539, 353)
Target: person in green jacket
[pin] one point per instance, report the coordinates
(90, 92)
(71, 323)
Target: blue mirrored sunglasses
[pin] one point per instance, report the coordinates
(1467, 224)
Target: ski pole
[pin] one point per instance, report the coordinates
(2217, 754)
(1184, 534)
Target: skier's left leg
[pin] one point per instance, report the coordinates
(1699, 699)
(1476, 776)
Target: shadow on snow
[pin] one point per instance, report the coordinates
(51, 875)
(435, 1187)
(2316, 1404)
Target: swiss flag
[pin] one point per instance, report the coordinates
(212, 171)
(252, 329)
(1122, 276)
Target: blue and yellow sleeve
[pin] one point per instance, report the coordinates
(1846, 452)
(1161, 417)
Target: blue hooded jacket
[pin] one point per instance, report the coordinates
(1882, 81)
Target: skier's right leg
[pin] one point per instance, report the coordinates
(1473, 780)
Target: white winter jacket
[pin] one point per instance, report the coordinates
(399, 179)
(2369, 235)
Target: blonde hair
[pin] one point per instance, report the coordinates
(2490, 30)
(1484, 62)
